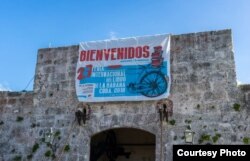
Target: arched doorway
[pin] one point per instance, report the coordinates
(123, 144)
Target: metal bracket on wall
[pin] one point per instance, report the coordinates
(165, 109)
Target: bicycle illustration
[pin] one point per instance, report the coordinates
(152, 82)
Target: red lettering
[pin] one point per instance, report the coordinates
(84, 72)
(126, 53)
(82, 55)
(113, 56)
(113, 51)
(120, 53)
(106, 53)
(88, 54)
(145, 51)
(158, 48)
(138, 52)
(92, 52)
(131, 52)
(99, 55)
(80, 72)
(88, 70)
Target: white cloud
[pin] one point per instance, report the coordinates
(112, 35)
(4, 87)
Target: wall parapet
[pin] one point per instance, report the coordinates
(23, 99)
(203, 91)
(245, 90)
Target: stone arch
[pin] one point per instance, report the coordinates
(124, 142)
(150, 123)
(95, 131)
(147, 120)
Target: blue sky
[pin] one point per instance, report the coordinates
(27, 25)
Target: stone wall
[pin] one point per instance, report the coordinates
(245, 95)
(203, 90)
(16, 118)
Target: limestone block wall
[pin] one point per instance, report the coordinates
(203, 91)
(203, 69)
(54, 84)
(245, 94)
(16, 119)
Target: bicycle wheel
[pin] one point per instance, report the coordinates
(153, 84)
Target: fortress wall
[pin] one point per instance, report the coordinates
(16, 118)
(203, 91)
(202, 69)
(245, 95)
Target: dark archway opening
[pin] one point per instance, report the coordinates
(123, 144)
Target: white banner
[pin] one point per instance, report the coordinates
(129, 69)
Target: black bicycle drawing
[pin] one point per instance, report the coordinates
(152, 82)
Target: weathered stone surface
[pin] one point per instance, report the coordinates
(203, 91)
